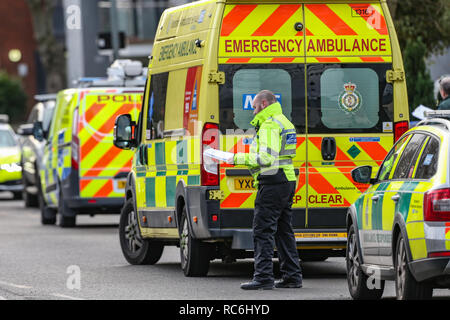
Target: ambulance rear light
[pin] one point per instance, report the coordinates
(399, 129)
(75, 141)
(209, 167)
(436, 205)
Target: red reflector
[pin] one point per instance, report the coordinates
(439, 254)
(399, 129)
(214, 217)
(92, 201)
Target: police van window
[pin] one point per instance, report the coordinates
(349, 98)
(389, 161)
(409, 156)
(243, 82)
(428, 162)
(157, 106)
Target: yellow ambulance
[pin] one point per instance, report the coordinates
(336, 69)
(83, 172)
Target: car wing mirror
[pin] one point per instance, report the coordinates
(363, 174)
(38, 131)
(124, 129)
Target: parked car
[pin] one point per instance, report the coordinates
(10, 168)
(33, 149)
(399, 229)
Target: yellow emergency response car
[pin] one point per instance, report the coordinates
(10, 168)
(83, 172)
(399, 229)
(336, 69)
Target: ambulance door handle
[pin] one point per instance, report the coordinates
(395, 198)
(328, 148)
(375, 198)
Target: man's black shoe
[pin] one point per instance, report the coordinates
(256, 285)
(286, 283)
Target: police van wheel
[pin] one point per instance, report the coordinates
(406, 287)
(194, 253)
(137, 251)
(67, 218)
(357, 280)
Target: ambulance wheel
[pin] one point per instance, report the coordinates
(357, 280)
(194, 253)
(67, 217)
(137, 251)
(406, 287)
(48, 215)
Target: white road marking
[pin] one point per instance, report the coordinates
(18, 286)
(58, 295)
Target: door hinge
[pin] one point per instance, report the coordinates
(216, 77)
(395, 75)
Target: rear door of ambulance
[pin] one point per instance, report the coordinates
(350, 112)
(259, 48)
(327, 65)
(103, 168)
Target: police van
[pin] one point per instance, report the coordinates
(82, 171)
(336, 69)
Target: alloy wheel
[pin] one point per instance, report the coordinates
(132, 233)
(401, 268)
(353, 262)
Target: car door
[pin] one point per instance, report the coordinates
(373, 204)
(397, 193)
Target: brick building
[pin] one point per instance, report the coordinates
(18, 49)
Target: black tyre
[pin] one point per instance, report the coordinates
(48, 215)
(195, 254)
(67, 217)
(137, 251)
(357, 280)
(406, 287)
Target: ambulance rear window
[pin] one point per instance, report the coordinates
(349, 98)
(243, 82)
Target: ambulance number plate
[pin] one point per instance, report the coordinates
(244, 184)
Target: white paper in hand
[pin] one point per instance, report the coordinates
(218, 154)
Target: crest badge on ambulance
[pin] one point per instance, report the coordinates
(350, 99)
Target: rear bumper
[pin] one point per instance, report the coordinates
(305, 238)
(431, 269)
(96, 205)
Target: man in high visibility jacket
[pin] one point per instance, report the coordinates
(270, 162)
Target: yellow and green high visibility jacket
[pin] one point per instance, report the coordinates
(272, 149)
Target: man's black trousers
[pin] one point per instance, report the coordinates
(272, 225)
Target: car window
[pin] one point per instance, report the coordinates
(389, 161)
(157, 106)
(405, 165)
(427, 165)
(7, 139)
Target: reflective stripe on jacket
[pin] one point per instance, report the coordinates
(273, 147)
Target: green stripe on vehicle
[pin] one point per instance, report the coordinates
(150, 192)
